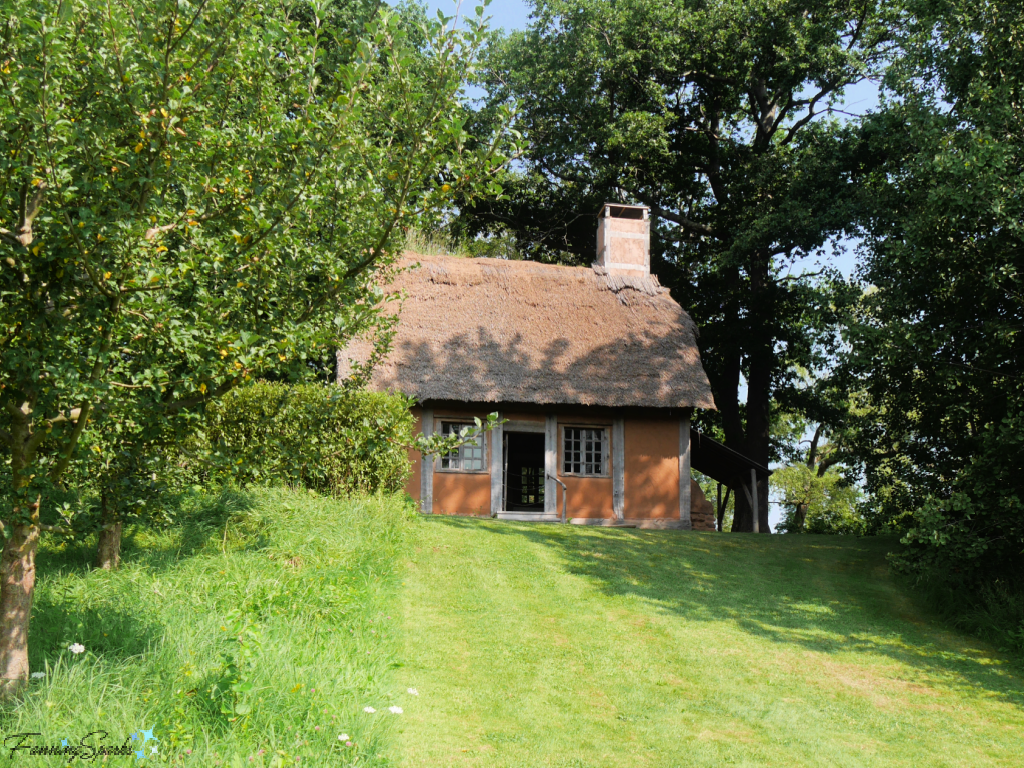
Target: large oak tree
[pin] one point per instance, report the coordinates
(716, 115)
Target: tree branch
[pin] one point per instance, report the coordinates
(192, 402)
(812, 452)
(824, 466)
(685, 223)
(65, 460)
(56, 529)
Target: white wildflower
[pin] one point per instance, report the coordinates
(413, 692)
(76, 648)
(369, 710)
(38, 675)
(395, 710)
(343, 737)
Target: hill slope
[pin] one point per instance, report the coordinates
(252, 635)
(565, 646)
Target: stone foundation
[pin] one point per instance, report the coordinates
(702, 511)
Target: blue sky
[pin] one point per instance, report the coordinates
(507, 14)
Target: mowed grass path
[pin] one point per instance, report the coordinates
(537, 645)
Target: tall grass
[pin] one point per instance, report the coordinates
(499, 246)
(252, 636)
(993, 611)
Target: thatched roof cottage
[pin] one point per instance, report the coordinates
(595, 370)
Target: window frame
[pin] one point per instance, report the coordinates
(606, 451)
(460, 422)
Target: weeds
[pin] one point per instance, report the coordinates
(254, 634)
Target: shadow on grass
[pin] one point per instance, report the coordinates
(824, 594)
(199, 521)
(111, 630)
(113, 621)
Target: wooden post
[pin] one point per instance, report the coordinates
(719, 512)
(497, 467)
(550, 464)
(753, 499)
(684, 474)
(427, 467)
(619, 468)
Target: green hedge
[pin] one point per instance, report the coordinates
(317, 436)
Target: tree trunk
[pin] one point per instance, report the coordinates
(108, 548)
(108, 545)
(759, 383)
(18, 569)
(742, 517)
(800, 517)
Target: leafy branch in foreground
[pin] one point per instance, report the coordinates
(188, 201)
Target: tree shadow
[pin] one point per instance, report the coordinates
(654, 365)
(103, 611)
(824, 594)
(200, 520)
(114, 630)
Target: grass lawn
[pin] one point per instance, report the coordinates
(566, 646)
(280, 599)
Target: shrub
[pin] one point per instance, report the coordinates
(975, 533)
(967, 547)
(322, 437)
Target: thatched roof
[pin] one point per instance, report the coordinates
(490, 330)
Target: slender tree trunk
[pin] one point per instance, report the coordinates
(18, 569)
(800, 517)
(108, 545)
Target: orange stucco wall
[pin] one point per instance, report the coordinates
(412, 485)
(651, 449)
(652, 469)
(588, 496)
(457, 493)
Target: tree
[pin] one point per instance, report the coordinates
(189, 200)
(714, 115)
(817, 500)
(938, 346)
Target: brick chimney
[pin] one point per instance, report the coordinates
(624, 240)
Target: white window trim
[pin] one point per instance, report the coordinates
(439, 430)
(605, 450)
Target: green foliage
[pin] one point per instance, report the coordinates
(197, 196)
(259, 627)
(322, 437)
(826, 503)
(938, 346)
(230, 694)
(976, 533)
(715, 115)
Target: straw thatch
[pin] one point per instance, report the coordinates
(489, 331)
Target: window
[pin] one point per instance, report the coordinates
(470, 456)
(584, 451)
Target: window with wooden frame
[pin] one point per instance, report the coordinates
(585, 451)
(469, 457)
